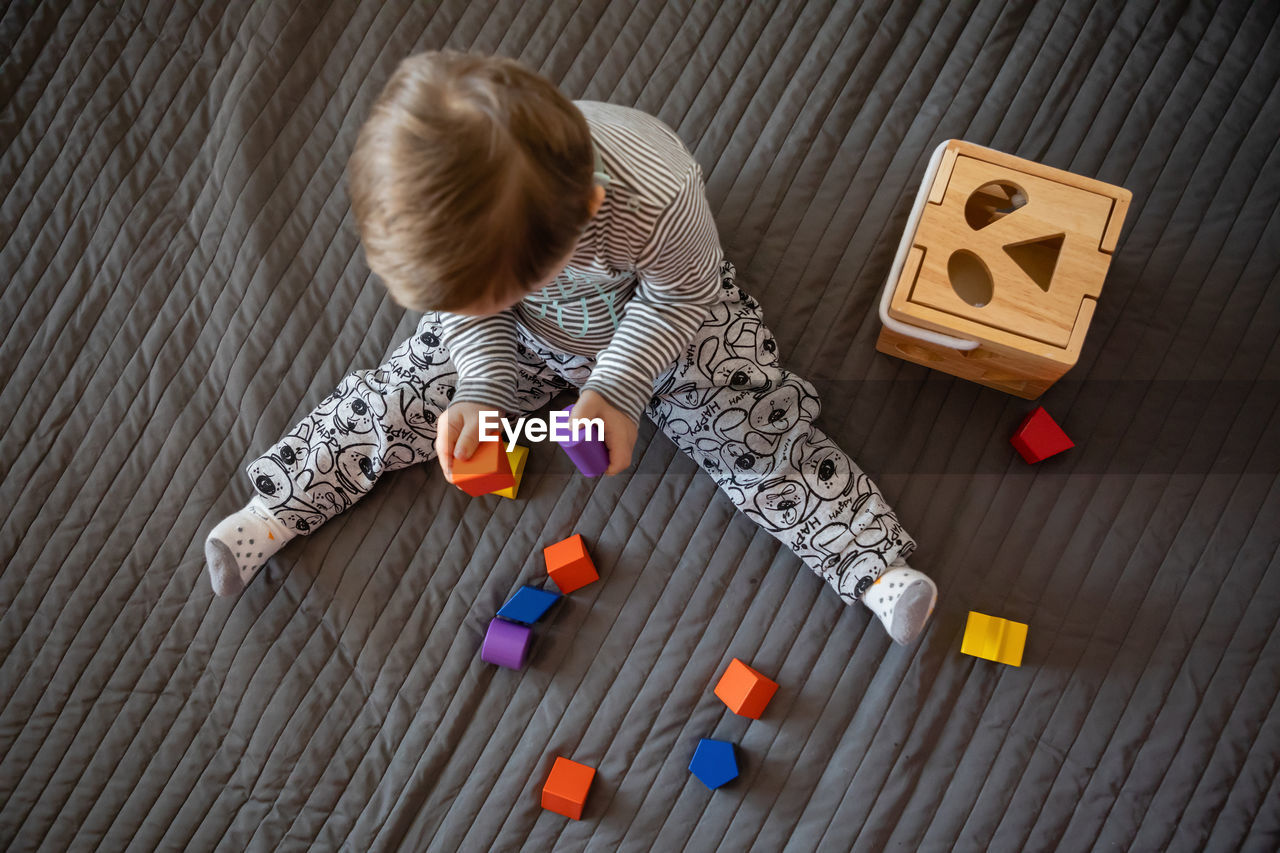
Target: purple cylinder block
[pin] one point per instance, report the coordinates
(506, 644)
(590, 455)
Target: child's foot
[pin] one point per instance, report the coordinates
(903, 598)
(241, 543)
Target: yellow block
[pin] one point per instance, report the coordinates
(516, 458)
(993, 638)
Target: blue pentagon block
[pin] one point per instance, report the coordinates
(713, 763)
(528, 605)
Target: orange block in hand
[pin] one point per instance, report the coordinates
(566, 789)
(486, 471)
(744, 690)
(569, 565)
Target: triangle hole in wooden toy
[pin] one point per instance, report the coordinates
(992, 202)
(1038, 258)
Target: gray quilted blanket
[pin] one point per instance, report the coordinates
(182, 282)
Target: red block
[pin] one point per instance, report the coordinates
(1040, 437)
(486, 471)
(569, 565)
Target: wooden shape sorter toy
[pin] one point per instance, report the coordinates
(1000, 268)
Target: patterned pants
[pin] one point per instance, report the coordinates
(746, 421)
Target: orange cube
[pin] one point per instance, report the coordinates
(744, 690)
(565, 791)
(569, 565)
(486, 471)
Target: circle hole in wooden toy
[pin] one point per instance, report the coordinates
(917, 353)
(1010, 382)
(992, 202)
(970, 278)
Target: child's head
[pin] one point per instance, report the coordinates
(471, 182)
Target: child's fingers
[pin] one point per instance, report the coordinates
(445, 439)
(615, 455)
(444, 457)
(619, 452)
(619, 436)
(468, 440)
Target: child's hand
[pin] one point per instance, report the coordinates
(619, 430)
(458, 434)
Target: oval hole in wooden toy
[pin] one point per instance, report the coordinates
(970, 278)
(992, 202)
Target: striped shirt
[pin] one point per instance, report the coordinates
(636, 288)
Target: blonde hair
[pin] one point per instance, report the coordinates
(471, 178)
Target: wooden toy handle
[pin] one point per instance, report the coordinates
(886, 296)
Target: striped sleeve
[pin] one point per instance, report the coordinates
(678, 269)
(483, 350)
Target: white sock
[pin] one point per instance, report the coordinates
(903, 599)
(240, 543)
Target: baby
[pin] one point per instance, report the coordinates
(550, 245)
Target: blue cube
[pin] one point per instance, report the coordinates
(528, 605)
(713, 762)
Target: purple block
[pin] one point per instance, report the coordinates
(590, 455)
(506, 644)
